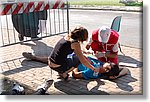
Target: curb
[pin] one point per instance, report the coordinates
(110, 8)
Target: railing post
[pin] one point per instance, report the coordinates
(68, 17)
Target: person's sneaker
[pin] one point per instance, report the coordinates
(17, 89)
(46, 85)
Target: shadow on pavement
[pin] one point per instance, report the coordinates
(123, 82)
(128, 59)
(18, 69)
(39, 48)
(79, 87)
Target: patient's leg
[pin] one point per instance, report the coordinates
(35, 58)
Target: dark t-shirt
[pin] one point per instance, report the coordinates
(60, 52)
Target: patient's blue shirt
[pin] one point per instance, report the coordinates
(87, 72)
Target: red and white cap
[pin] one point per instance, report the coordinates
(104, 34)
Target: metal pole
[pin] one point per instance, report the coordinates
(68, 17)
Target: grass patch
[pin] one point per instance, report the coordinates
(104, 3)
(96, 2)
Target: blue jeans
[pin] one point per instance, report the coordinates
(71, 61)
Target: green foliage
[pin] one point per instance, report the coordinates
(135, 4)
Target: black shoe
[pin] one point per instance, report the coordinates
(65, 78)
(39, 92)
(43, 88)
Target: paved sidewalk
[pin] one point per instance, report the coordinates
(31, 74)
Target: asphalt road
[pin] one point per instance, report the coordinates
(131, 24)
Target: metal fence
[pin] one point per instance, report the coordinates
(26, 21)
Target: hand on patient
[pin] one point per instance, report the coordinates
(99, 54)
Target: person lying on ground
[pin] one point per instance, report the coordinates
(107, 70)
(58, 60)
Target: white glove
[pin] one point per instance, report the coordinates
(99, 54)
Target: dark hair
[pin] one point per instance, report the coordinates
(80, 34)
(114, 70)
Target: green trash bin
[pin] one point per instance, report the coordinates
(26, 24)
